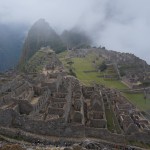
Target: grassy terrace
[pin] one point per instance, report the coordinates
(36, 62)
(80, 65)
(86, 73)
(112, 123)
(138, 100)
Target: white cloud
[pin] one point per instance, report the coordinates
(122, 25)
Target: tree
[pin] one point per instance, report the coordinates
(103, 66)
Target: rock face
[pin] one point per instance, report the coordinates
(75, 38)
(40, 35)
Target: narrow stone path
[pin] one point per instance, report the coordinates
(53, 140)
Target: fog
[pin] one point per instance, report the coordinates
(121, 25)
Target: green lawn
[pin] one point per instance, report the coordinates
(139, 144)
(139, 101)
(112, 122)
(62, 55)
(85, 64)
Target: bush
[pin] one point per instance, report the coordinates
(71, 72)
(103, 66)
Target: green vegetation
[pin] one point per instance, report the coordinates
(138, 100)
(139, 144)
(71, 72)
(85, 70)
(112, 123)
(36, 63)
(103, 66)
(109, 117)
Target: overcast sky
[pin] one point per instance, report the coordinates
(121, 25)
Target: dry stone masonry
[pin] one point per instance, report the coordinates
(52, 103)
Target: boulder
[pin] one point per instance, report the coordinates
(25, 107)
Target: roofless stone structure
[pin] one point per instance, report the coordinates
(52, 103)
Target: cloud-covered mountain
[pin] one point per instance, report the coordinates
(75, 38)
(11, 38)
(40, 35)
(121, 25)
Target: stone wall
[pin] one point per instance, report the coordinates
(6, 99)
(56, 111)
(6, 117)
(98, 123)
(104, 134)
(140, 136)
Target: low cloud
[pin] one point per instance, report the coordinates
(121, 25)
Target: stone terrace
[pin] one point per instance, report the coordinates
(55, 104)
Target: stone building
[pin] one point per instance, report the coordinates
(52, 103)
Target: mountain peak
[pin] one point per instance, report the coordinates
(41, 23)
(40, 35)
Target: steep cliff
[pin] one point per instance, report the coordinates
(40, 35)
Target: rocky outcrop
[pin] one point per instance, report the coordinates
(40, 35)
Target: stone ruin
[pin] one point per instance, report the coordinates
(133, 71)
(52, 103)
(131, 120)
